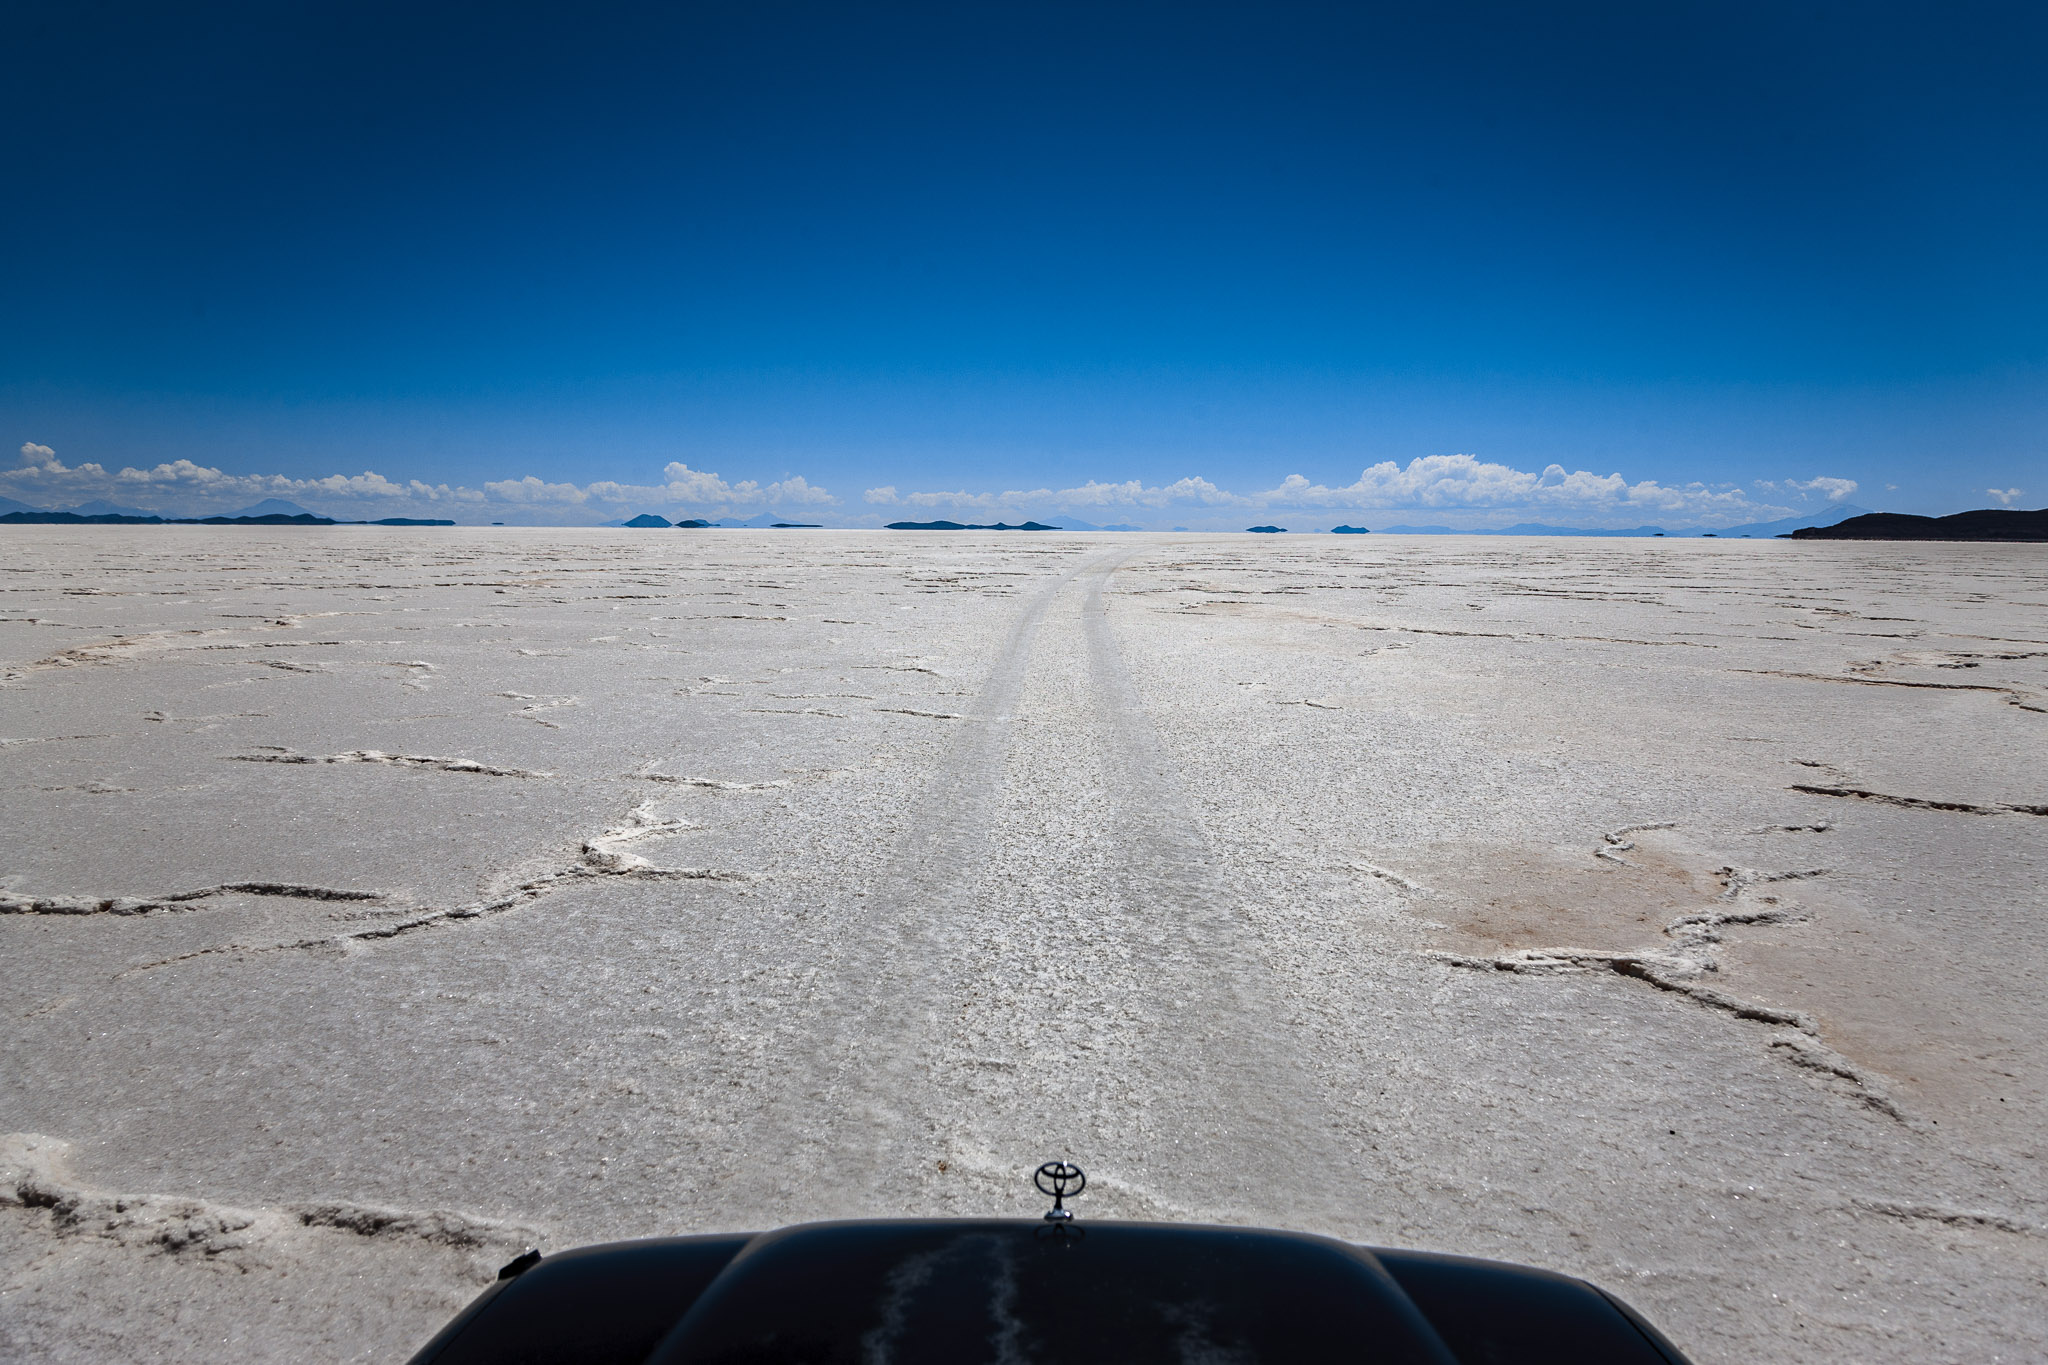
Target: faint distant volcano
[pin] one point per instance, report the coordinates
(273, 507)
(100, 507)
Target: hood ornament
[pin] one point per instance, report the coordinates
(1062, 1180)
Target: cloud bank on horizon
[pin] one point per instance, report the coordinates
(1457, 489)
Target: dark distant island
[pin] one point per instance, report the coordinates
(272, 519)
(1987, 523)
(1350, 530)
(959, 526)
(1267, 530)
(796, 526)
(648, 521)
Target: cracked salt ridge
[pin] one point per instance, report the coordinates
(1390, 877)
(34, 1174)
(2013, 696)
(1616, 842)
(1919, 802)
(1679, 974)
(182, 900)
(553, 702)
(417, 680)
(713, 783)
(101, 653)
(602, 856)
(1937, 1213)
(452, 765)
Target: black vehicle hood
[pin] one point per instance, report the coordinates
(953, 1292)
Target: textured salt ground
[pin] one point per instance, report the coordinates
(1296, 883)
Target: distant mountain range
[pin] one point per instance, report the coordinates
(33, 518)
(100, 507)
(1757, 530)
(1856, 523)
(759, 521)
(1076, 524)
(269, 512)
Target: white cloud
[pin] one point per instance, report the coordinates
(2005, 496)
(695, 485)
(1836, 489)
(186, 487)
(704, 490)
(1193, 492)
(985, 501)
(1090, 495)
(1454, 488)
(535, 492)
(793, 490)
(1460, 483)
(1434, 482)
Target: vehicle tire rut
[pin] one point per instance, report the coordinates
(1056, 924)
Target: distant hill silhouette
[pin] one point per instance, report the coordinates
(273, 519)
(1986, 523)
(961, 526)
(1267, 530)
(74, 519)
(648, 519)
(269, 507)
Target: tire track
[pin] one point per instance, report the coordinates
(1248, 1118)
(869, 1094)
(1055, 965)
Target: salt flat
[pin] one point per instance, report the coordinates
(1665, 912)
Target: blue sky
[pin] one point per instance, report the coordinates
(1471, 265)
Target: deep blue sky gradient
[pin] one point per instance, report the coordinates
(1010, 246)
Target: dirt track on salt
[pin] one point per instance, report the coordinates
(376, 902)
